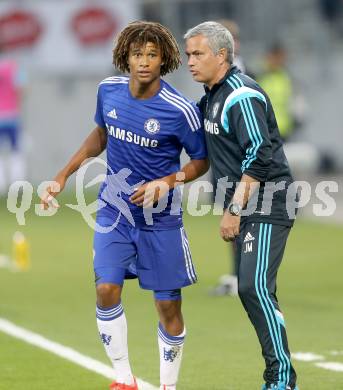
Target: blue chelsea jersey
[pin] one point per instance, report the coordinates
(145, 138)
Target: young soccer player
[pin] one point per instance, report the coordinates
(144, 124)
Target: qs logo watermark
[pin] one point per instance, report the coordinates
(117, 187)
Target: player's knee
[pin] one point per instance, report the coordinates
(169, 309)
(171, 316)
(108, 294)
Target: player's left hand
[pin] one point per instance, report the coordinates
(150, 193)
(229, 226)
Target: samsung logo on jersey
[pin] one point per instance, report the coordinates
(211, 127)
(129, 136)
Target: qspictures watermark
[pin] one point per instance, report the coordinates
(117, 189)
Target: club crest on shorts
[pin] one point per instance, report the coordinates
(152, 126)
(215, 109)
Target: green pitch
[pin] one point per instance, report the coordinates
(56, 299)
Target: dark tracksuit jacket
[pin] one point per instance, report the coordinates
(242, 137)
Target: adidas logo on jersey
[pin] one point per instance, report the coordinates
(249, 237)
(112, 114)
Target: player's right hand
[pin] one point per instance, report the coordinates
(229, 226)
(49, 195)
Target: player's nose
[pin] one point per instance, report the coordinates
(144, 61)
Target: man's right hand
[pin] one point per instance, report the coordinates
(48, 197)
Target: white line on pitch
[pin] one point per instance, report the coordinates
(307, 356)
(318, 361)
(64, 352)
(332, 366)
(336, 353)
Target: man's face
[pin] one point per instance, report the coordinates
(145, 62)
(203, 64)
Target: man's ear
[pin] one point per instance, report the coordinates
(222, 53)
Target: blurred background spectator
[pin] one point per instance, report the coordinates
(289, 107)
(12, 161)
(276, 81)
(233, 27)
(332, 12)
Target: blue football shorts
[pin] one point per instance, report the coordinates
(9, 132)
(161, 259)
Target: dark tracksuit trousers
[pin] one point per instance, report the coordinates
(261, 247)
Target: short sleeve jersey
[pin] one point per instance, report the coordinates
(145, 138)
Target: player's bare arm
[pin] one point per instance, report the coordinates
(93, 146)
(149, 193)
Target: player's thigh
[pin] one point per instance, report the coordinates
(114, 253)
(247, 246)
(277, 239)
(262, 248)
(164, 260)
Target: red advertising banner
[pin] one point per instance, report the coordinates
(74, 36)
(19, 29)
(93, 25)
